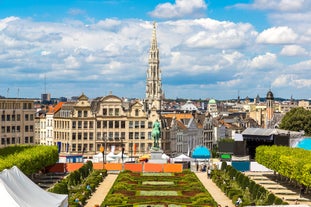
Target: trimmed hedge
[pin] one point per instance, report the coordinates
(29, 159)
(235, 184)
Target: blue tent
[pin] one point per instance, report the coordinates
(201, 152)
(305, 144)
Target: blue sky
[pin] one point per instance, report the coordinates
(208, 49)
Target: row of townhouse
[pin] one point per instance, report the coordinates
(84, 126)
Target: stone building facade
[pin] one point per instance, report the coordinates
(17, 122)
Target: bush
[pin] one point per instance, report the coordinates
(271, 198)
(223, 165)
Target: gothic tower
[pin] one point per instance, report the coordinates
(153, 82)
(269, 109)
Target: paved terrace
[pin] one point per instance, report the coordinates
(283, 190)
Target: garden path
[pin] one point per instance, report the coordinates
(213, 189)
(102, 190)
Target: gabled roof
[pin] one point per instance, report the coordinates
(56, 108)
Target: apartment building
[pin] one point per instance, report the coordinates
(84, 126)
(17, 122)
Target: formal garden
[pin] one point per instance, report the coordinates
(158, 189)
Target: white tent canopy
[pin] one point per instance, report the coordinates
(99, 158)
(17, 190)
(182, 158)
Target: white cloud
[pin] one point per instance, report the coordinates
(4, 22)
(282, 80)
(293, 50)
(268, 60)
(198, 57)
(301, 83)
(181, 8)
(277, 5)
(277, 35)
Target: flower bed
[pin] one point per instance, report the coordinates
(143, 189)
(157, 183)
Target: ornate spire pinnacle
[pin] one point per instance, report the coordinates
(154, 44)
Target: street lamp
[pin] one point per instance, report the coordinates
(102, 150)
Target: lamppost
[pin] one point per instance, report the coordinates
(102, 150)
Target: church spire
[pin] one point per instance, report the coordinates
(154, 44)
(153, 82)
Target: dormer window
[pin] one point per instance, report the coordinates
(136, 112)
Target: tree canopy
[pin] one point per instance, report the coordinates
(297, 119)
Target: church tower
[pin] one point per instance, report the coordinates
(153, 82)
(269, 109)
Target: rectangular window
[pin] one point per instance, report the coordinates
(123, 124)
(85, 135)
(79, 124)
(104, 112)
(73, 147)
(31, 117)
(110, 124)
(117, 112)
(74, 124)
(110, 112)
(13, 117)
(149, 135)
(116, 124)
(26, 140)
(131, 135)
(122, 135)
(116, 135)
(136, 135)
(79, 136)
(8, 117)
(91, 124)
(91, 147)
(85, 124)
(104, 124)
(84, 113)
(74, 136)
(91, 135)
(130, 124)
(98, 124)
(2, 117)
(149, 124)
(142, 135)
(18, 117)
(26, 117)
(8, 129)
(110, 135)
(79, 113)
(136, 124)
(142, 124)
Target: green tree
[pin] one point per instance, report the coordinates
(297, 119)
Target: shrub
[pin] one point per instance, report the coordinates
(223, 165)
(271, 198)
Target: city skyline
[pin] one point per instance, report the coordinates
(208, 49)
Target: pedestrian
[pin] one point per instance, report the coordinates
(88, 187)
(238, 202)
(209, 172)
